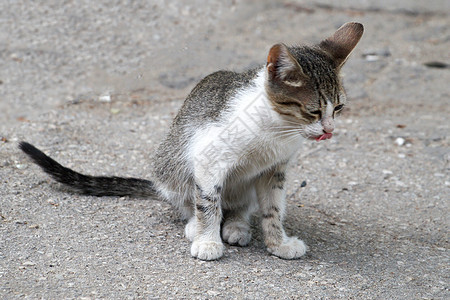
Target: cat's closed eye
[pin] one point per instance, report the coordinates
(317, 113)
(339, 108)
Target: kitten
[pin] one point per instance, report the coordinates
(227, 151)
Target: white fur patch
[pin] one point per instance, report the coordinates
(294, 83)
(248, 138)
(191, 229)
(207, 250)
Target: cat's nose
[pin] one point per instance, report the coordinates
(328, 125)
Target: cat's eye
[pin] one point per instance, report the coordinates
(339, 107)
(317, 113)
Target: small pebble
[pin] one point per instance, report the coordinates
(372, 57)
(375, 55)
(52, 202)
(400, 141)
(213, 293)
(104, 98)
(400, 183)
(115, 111)
(21, 166)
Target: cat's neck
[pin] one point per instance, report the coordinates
(254, 108)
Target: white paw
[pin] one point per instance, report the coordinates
(191, 229)
(207, 250)
(236, 233)
(291, 248)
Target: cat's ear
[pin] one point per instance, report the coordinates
(342, 42)
(282, 67)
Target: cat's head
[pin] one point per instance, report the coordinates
(303, 83)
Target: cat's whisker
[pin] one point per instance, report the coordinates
(293, 122)
(289, 125)
(290, 136)
(291, 130)
(288, 128)
(286, 134)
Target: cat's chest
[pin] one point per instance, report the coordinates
(244, 145)
(250, 135)
(267, 152)
(259, 131)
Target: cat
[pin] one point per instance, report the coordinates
(226, 154)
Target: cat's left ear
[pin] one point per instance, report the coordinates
(283, 68)
(342, 42)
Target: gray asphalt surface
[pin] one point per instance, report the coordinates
(95, 85)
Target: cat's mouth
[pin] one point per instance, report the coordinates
(324, 136)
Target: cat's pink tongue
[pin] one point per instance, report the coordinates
(324, 136)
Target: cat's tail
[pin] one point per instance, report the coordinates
(89, 185)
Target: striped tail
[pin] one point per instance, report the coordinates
(89, 185)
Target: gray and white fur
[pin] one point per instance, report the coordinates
(227, 151)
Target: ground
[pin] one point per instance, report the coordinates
(96, 85)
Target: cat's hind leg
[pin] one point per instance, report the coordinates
(191, 229)
(236, 226)
(236, 229)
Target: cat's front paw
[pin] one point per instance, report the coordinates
(208, 250)
(236, 233)
(291, 248)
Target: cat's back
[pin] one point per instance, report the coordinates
(211, 96)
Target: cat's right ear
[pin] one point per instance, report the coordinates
(342, 42)
(282, 67)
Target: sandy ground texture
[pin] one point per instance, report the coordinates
(95, 85)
